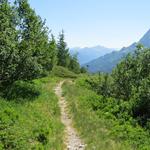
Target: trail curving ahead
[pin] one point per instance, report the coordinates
(72, 140)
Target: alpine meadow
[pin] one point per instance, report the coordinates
(58, 96)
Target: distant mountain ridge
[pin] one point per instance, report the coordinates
(87, 54)
(107, 62)
(145, 40)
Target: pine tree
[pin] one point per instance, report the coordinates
(63, 51)
(74, 65)
(53, 51)
(83, 70)
(49, 57)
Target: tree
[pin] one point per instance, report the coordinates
(74, 65)
(83, 70)
(122, 76)
(50, 55)
(131, 83)
(53, 51)
(33, 42)
(141, 89)
(8, 43)
(63, 51)
(26, 52)
(130, 72)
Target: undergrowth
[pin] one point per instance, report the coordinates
(103, 122)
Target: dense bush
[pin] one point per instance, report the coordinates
(104, 120)
(21, 90)
(129, 82)
(125, 97)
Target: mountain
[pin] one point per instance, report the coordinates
(145, 40)
(89, 53)
(107, 62)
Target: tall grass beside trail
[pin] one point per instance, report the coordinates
(92, 129)
(97, 126)
(31, 124)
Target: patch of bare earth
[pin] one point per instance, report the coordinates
(71, 138)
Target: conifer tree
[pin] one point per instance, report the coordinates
(63, 51)
(74, 65)
(53, 51)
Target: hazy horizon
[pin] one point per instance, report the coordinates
(112, 24)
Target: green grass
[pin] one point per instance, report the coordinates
(93, 128)
(63, 72)
(27, 124)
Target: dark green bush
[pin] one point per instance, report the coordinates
(42, 135)
(21, 90)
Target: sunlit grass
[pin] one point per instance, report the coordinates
(94, 130)
(33, 124)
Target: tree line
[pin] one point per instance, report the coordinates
(28, 49)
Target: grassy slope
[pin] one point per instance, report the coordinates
(94, 130)
(63, 72)
(32, 124)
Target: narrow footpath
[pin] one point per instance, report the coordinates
(71, 138)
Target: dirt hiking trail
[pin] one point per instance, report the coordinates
(71, 138)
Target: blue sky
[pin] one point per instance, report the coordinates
(110, 23)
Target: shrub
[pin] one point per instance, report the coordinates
(21, 90)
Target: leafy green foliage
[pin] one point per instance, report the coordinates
(8, 43)
(129, 81)
(104, 122)
(124, 98)
(100, 83)
(33, 42)
(21, 90)
(26, 51)
(29, 114)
